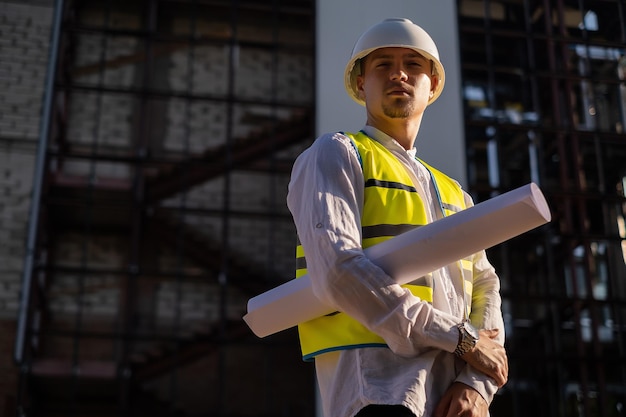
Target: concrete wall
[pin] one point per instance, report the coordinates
(340, 23)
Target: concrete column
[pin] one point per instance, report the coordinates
(339, 24)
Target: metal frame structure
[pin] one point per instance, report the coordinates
(128, 214)
(534, 73)
(133, 354)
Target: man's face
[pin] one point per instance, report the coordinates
(396, 82)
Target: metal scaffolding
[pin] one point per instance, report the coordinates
(169, 132)
(542, 95)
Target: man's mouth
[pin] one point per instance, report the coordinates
(399, 91)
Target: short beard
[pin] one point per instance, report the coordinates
(399, 109)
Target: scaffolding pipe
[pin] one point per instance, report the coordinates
(40, 163)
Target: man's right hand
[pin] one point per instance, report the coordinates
(489, 357)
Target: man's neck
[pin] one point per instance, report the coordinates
(404, 131)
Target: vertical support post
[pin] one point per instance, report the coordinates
(40, 166)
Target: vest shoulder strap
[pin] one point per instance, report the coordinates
(356, 150)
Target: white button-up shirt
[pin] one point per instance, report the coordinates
(326, 200)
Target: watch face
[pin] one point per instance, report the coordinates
(473, 331)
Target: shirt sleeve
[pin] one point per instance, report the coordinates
(486, 313)
(326, 199)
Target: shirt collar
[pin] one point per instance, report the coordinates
(386, 140)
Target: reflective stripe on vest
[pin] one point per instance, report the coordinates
(391, 206)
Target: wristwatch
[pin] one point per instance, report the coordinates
(468, 337)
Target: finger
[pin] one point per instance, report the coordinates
(492, 333)
(502, 378)
(500, 381)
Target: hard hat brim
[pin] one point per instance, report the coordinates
(393, 33)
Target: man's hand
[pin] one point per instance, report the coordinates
(461, 400)
(489, 357)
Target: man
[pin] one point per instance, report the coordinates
(391, 350)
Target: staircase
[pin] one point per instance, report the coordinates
(83, 366)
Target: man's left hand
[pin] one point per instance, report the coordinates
(463, 401)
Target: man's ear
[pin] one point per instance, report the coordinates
(359, 87)
(434, 82)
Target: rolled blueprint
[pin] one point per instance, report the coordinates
(410, 255)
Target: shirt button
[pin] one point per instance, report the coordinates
(450, 295)
(318, 226)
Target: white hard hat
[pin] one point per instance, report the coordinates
(399, 33)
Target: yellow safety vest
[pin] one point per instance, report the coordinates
(391, 206)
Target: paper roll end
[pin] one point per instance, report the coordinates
(540, 202)
(249, 319)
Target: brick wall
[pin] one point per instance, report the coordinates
(24, 39)
(192, 126)
(110, 120)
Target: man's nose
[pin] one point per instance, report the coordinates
(398, 73)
